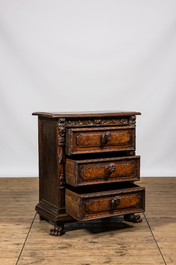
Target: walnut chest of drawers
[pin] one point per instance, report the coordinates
(87, 167)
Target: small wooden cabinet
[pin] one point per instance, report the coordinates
(87, 167)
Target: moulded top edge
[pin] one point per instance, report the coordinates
(83, 114)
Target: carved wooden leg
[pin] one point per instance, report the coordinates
(133, 218)
(57, 230)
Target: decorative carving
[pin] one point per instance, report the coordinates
(61, 125)
(62, 181)
(96, 122)
(61, 138)
(61, 167)
(133, 218)
(57, 230)
(132, 120)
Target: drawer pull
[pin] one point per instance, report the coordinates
(106, 137)
(115, 202)
(109, 169)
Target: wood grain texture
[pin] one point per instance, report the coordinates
(84, 136)
(103, 204)
(86, 114)
(93, 140)
(104, 241)
(105, 170)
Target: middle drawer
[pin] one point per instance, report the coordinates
(102, 170)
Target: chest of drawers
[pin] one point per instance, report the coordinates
(87, 167)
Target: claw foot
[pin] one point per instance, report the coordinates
(57, 230)
(133, 218)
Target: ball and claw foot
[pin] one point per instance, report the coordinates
(57, 230)
(133, 218)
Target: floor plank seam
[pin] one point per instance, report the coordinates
(26, 239)
(155, 239)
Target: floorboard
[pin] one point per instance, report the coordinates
(24, 239)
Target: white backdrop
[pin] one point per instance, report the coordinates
(77, 55)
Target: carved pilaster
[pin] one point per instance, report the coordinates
(61, 165)
(61, 138)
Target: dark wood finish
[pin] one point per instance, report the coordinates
(88, 114)
(133, 218)
(110, 136)
(104, 170)
(57, 230)
(88, 206)
(93, 140)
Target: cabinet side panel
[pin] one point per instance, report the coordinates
(47, 161)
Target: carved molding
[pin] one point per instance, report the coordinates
(96, 122)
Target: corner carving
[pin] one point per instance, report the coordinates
(132, 120)
(61, 138)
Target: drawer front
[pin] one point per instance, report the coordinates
(88, 140)
(95, 171)
(104, 204)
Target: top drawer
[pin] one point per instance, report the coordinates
(95, 140)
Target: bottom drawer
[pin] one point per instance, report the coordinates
(91, 204)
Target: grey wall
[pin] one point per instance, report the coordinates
(87, 55)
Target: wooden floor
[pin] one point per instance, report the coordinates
(25, 240)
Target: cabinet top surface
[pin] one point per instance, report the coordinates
(86, 114)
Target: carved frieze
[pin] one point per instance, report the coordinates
(96, 122)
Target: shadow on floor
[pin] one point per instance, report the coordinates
(98, 226)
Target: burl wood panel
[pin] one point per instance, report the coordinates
(105, 170)
(91, 206)
(93, 140)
